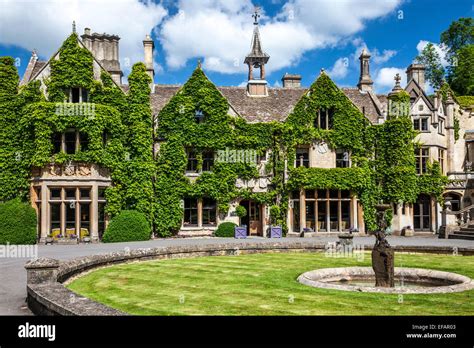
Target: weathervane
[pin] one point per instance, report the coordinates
(256, 15)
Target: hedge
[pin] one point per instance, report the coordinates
(128, 226)
(225, 229)
(17, 223)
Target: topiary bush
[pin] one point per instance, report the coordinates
(225, 229)
(17, 223)
(127, 226)
(240, 211)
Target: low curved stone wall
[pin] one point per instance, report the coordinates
(47, 295)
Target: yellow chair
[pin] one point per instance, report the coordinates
(55, 232)
(84, 232)
(70, 232)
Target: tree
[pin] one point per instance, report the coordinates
(461, 78)
(460, 33)
(430, 58)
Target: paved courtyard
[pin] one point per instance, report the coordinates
(13, 274)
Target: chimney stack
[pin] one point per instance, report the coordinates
(416, 72)
(365, 82)
(149, 46)
(105, 49)
(291, 81)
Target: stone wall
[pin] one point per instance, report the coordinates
(47, 295)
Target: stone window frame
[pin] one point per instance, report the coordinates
(422, 156)
(441, 125)
(419, 122)
(78, 146)
(301, 161)
(83, 95)
(324, 119)
(200, 209)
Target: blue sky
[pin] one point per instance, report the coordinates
(301, 36)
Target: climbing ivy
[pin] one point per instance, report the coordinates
(382, 156)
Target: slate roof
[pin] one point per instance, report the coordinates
(275, 107)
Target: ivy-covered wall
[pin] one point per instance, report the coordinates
(382, 156)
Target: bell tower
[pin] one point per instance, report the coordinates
(256, 59)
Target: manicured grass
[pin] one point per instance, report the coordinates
(262, 284)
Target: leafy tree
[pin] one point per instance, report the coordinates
(459, 34)
(461, 78)
(434, 69)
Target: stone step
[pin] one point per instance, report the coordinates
(461, 236)
(466, 230)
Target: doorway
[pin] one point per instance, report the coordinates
(422, 213)
(253, 219)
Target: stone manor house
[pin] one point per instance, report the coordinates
(318, 211)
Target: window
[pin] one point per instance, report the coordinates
(192, 160)
(302, 157)
(70, 142)
(441, 159)
(190, 212)
(77, 95)
(421, 159)
(199, 116)
(75, 92)
(84, 141)
(207, 161)
(208, 212)
(420, 107)
(342, 158)
(326, 210)
(421, 124)
(441, 126)
(57, 142)
(325, 119)
(70, 212)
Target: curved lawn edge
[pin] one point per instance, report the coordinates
(47, 295)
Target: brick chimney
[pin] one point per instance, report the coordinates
(291, 81)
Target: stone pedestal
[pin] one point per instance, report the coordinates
(383, 266)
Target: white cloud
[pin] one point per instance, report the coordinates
(442, 53)
(45, 24)
(385, 79)
(220, 31)
(339, 69)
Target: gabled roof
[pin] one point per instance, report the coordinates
(414, 87)
(41, 65)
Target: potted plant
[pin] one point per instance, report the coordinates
(275, 229)
(240, 231)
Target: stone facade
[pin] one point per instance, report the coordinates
(323, 211)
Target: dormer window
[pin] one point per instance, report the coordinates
(78, 95)
(325, 119)
(199, 116)
(421, 124)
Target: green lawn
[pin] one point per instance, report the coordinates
(262, 284)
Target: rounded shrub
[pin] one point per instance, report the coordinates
(17, 223)
(240, 211)
(225, 229)
(127, 226)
